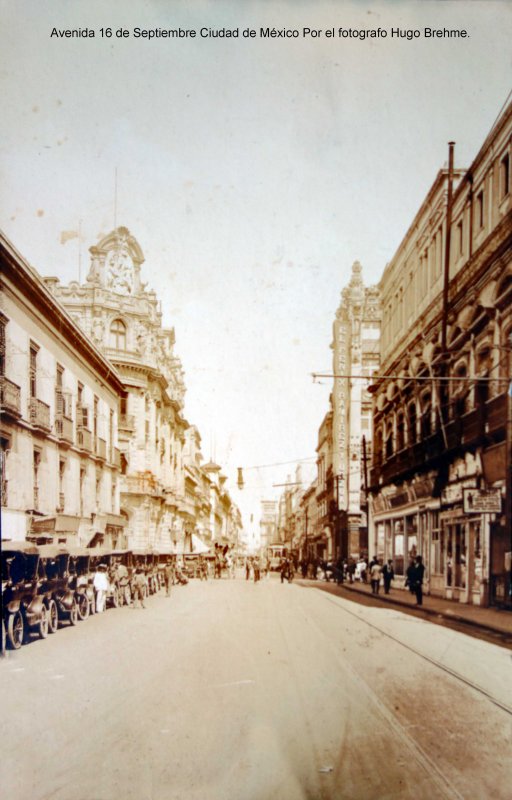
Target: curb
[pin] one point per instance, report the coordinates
(434, 612)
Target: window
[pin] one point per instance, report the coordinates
(2, 347)
(426, 415)
(34, 349)
(82, 489)
(4, 448)
(504, 176)
(460, 236)
(412, 416)
(62, 470)
(400, 432)
(480, 209)
(59, 400)
(118, 335)
(36, 465)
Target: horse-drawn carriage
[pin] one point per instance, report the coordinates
(24, 605)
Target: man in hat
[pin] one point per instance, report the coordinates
(100, 583)
(139, 587)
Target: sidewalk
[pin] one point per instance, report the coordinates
(494, 620)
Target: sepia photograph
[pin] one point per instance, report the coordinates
(256, 399)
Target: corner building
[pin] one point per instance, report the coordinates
(59, 456)
(122, 318)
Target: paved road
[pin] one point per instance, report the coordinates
(234, 691)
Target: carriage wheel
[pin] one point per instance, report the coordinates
(82, 606)
(73, 614)
(15, 630)
(43, 625)
(53, 617)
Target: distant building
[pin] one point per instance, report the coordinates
(268, 523)
(356, 352)
(59, 456)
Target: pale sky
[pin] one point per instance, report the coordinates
(252, 172)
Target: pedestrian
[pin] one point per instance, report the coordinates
(339, 571)
(168, 577)
(283, 568)
(247, 568)
(375, 576)
(351, 569)
(100, 583)
(256, 569)
(410, 576)
(139, 587)
(419, 574)
(388, 574)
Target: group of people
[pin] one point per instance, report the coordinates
(350, 569)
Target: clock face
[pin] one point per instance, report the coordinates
(120, 271)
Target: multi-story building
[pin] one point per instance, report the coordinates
(60, 462)
(122, 317)
(323, 536)
(355, 345)
(441, 457)
(268, 523)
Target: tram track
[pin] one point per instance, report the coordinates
(338, 602)
(444, 787)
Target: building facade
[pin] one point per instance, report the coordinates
(441, 458)
(356, 352)
(60, 460)
(167, 498)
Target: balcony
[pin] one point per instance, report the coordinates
(126, 422)
(64, 428)
(100, 449)
(10, 397)
(39, 414)
(84, 439)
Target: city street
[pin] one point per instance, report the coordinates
(230, 689)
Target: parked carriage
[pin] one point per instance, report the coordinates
(59, 594)
(81, 577)
(23, 603)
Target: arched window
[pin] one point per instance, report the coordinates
(412, 416)
(426, 415)
(118, 334)
(389, 440)
(400, 431)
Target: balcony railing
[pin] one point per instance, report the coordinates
(9, 397)
(101, 449)
(126, 422)
(84, 439)
(64, 428)
(39, 414)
